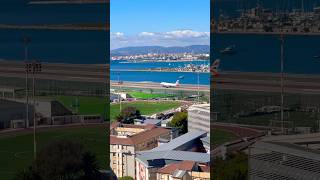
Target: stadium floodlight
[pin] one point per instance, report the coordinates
(282, 81)
(33, 67)
(26, 42)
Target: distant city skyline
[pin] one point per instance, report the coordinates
(144, 23)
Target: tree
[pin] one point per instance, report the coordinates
(28, 174)
(128, 114)
(62, 160)
(180, 121)
(235, 167)
(126, 178)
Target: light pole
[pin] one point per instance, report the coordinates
(26, 41)
(198, 73)
(119, 95)
(282, 82)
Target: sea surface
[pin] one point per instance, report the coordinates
(118, 72)
(61, 46)
(261, 53)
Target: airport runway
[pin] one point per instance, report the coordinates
(267, 82)
(151, 85)
(56, 71)
(237, 81)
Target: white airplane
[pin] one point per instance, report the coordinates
(167, 85)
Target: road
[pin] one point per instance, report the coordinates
(151, 85)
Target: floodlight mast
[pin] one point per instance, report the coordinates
(26, 42)
(282, 82)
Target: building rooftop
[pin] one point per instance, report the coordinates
(288, 148)
(6, 104)
(153, 121)
(160, 158)
(206, 141)
(205, 107)
(297, 139)
(181, 140)
(148, 131)
(183, 165)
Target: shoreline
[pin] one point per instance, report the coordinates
(153, 70)
(89, 27)
(266, 33)
(160, 61)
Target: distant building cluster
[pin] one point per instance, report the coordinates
(150, 151)
(260, 19)
(163, 57)
(186, 68)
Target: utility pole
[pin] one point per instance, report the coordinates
(282, 82)
(26, 41)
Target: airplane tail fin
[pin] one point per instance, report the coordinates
(214, 67)
(216, 64)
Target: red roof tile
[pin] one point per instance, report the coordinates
(183, 165)
(150, 132)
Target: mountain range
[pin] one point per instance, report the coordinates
(196, 49)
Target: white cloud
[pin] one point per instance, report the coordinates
(171, 38)
(147, 34)
(186, 34)
(117, 35)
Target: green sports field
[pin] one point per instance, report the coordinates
(145, 107)
(16, 150)
(83, 105)
(143, 95)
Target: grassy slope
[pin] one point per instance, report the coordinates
(146, 108)
(16, 152)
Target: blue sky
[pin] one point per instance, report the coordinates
(159, 22)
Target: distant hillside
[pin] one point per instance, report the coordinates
(197, 49)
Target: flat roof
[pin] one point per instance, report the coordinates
(152, 121)
(297, 139)
(181, 140)
(148, 156)
(7, 104)
(201, 106)
(288, 148)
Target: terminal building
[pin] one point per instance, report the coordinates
(285, 157)
(199, 118)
